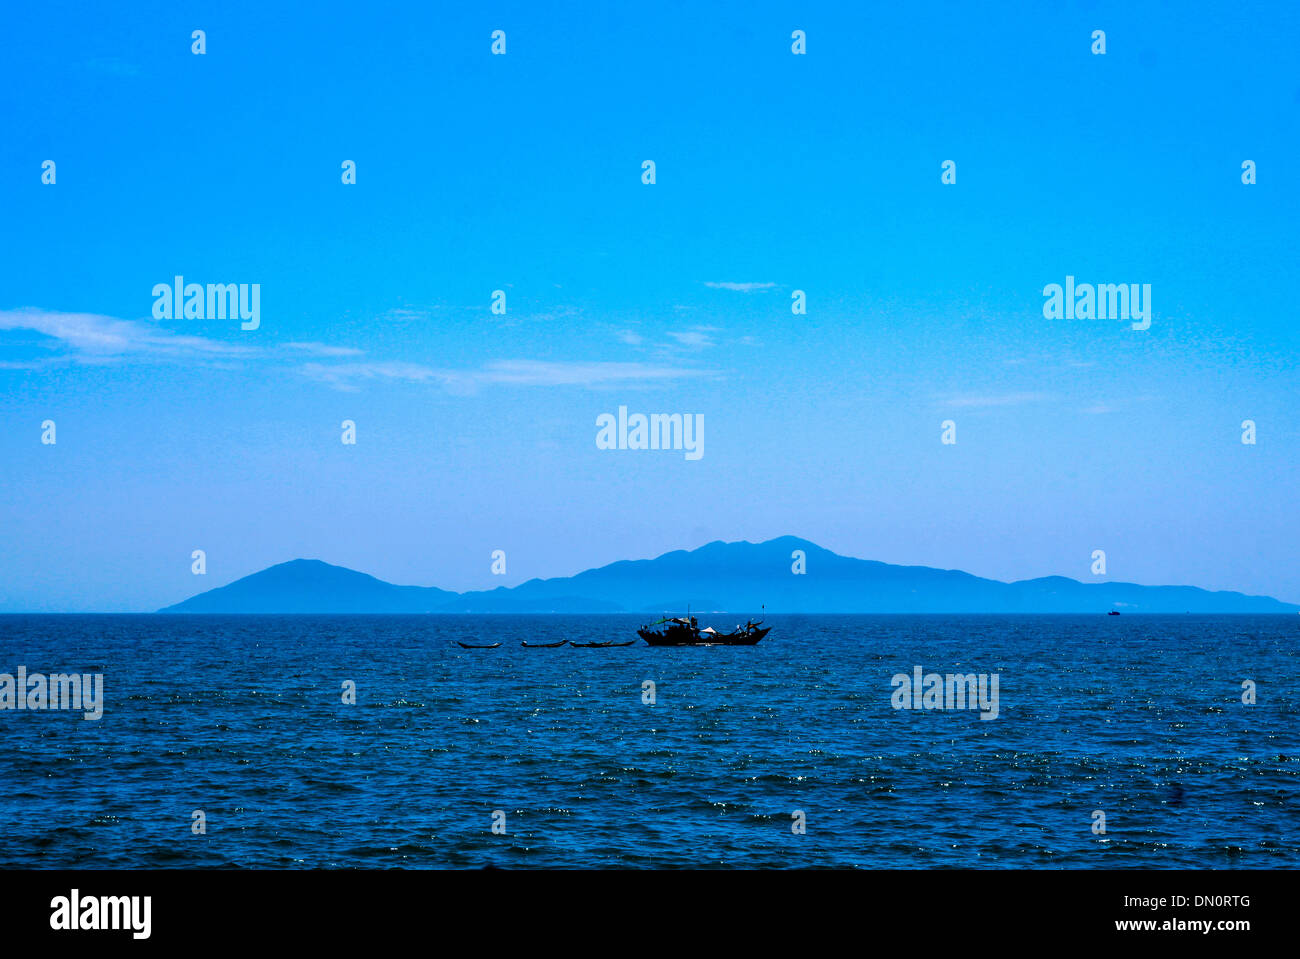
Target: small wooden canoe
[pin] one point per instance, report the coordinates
(544, 645)
(601, 645)
(472, 646)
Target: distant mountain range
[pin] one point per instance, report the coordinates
(719, 577)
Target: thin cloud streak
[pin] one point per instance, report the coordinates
(90, 339)
(93, 336)
(348, 376)
(698, 338)
(738, 287)
(324, 349)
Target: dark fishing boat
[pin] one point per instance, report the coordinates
(591, 645)
(1113, 612)
(472, 646)
(685, 631)
(544, 645)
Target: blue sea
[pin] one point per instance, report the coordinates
(243, 719)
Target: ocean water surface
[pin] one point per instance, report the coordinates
(241, 717)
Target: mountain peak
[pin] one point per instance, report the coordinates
(740, 577)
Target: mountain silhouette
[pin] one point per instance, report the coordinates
(719, 577)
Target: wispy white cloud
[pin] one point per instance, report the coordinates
(324, 349)
(738, 287)
(696, 338)
(407, 314)
(348, 376)
(548, 373)
(91, 339)
(91, 336)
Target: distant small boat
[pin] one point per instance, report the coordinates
(473, 646)
(1113, 612)
(590, 645)
(544, 645)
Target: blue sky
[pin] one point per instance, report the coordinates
(522, 173)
